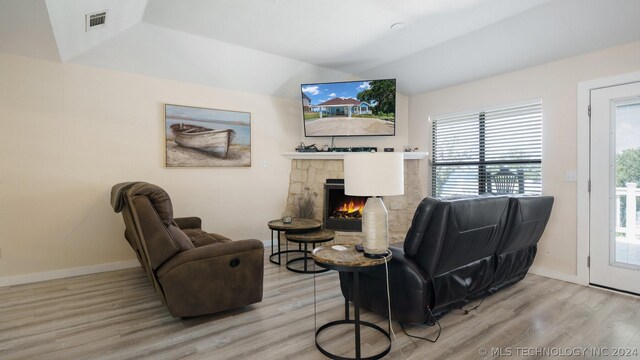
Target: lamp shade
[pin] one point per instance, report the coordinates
(374, 174)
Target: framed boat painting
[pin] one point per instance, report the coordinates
(200, 137)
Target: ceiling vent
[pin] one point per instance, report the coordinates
(95, 20)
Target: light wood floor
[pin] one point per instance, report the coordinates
(116, 315)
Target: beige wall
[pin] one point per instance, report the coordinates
(70, 132)
(556, 83)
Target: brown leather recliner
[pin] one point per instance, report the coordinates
(193, 272)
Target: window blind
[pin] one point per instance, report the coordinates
(496, 151)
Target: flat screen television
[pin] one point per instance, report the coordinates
(349, 108)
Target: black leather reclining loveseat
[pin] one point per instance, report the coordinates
(456, 250)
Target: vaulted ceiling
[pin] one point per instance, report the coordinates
(271, 46)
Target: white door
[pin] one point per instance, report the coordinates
(615, 175)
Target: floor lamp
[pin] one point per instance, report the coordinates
(374, 174)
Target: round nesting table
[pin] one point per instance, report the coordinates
(295, 226)
(346, 258)
(306, 238)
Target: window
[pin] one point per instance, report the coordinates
(496, 151)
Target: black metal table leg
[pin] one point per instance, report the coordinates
(305, 257)
(295, 226)
(305, 267)
(279, 252)
(356, 311)
(357, 323)
(346, 309)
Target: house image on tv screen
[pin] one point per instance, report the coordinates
(306, 103)
(340, 106)
(356, 108)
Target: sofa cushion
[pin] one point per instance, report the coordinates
(180, 238)
(154, 236)
(441, 227)
(161, 203)
(200, 238)
(474, 225)
(456, 243)
(418, 228)
(159, 200)
(528, 217)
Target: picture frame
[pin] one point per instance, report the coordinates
(204, 137)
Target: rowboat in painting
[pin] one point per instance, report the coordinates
(212, 141)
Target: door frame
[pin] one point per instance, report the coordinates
(584, 165)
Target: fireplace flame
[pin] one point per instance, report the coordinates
(352, 207)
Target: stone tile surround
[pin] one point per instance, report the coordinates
(308, 177)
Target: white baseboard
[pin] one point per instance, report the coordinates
(64, 273)
(554, 275)
(82, 270)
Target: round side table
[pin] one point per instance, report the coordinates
(313, 238)
(295, 226)
(346, 258)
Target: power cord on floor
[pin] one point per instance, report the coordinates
(386, 268)
(467, 311)
(436, 322)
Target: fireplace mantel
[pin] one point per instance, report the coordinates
(321, 155)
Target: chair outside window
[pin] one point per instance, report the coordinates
(504, 182)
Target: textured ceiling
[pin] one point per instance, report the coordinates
(271, 46)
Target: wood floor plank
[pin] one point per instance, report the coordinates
(117, 315)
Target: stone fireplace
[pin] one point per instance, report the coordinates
(307, 181)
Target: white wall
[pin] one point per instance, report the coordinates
(70, 132)
(556, 84)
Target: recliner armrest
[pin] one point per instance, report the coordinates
(210, 251)
(213, 278)
(405, 272)
(191, 222)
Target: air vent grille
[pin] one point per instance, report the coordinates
(95, 20)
